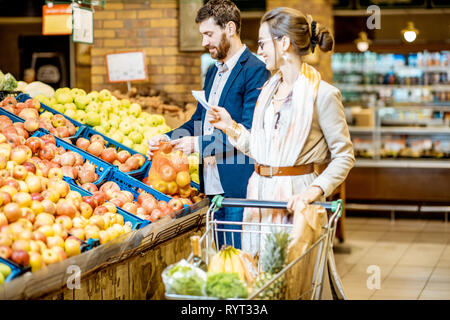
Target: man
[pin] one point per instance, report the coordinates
(232, 83)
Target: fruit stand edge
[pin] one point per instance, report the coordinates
(137, 277)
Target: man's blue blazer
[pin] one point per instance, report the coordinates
(239, 98)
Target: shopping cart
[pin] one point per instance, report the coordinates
(324, 245)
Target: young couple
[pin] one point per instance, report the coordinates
(280, 114)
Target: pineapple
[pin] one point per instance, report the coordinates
(273, 260)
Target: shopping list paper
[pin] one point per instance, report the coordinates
(200, 97)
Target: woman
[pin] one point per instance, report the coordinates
(298, 121)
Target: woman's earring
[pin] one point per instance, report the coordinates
(285, 57)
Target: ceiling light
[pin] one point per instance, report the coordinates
(410, 33)
(362, 43)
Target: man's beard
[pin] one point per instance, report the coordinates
(222, 49)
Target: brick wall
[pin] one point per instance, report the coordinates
(151, 26)
(322, 12)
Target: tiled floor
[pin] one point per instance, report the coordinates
(405, 259)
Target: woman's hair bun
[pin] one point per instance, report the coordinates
(325, 39)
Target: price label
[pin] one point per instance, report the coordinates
(57, 19)
(83, 25)
(126, 66)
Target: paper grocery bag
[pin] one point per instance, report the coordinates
(306, 231)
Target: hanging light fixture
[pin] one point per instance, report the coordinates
(410, 33)
(362, 43)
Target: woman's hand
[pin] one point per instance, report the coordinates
(219, 118)
(299, 201)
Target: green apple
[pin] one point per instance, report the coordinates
(136, 137)
(125, 103)
(81, 101)
(2, 278)
(46, 114)
(63, 95)
(118, 136)
(106, 106)
(104, 95)
(51, 101)
(93, 96)
(93, 119)
(77, 92)
(127, 142)
(80, 116)
(114, 123)
(70, 106)
(99, 129)
(104, 118)
(125, 127)
(141, 148)
(115, 103)
(5, 270)
(141, 122)
(153, 121)
(59, 107)
(93, 107)
(71, 113)
(42, 99)
(150, 132)
(122, 113)
(135, 109)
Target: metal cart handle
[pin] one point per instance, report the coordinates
(220, 201)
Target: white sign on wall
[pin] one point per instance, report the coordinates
(83, 25)
(126, 66)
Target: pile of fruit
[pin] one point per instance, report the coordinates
(96, 146)
(146, 206)
(56, 124)
(169, 174)
(42, 221)
(120, 120)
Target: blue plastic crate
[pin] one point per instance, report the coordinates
(11, 115)
(136, 222)
(138, 174)
(134, 186)
(24, 97)
(103, 167)
(16, 270)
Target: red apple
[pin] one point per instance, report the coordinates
(109, 155)
(123, 156)
(12, 212)
(175, 204)
(72, 246)
(65, 208)
(5, 252)
(89, 187)
(20, 257)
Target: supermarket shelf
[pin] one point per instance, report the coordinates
(404, 105)
(400, 163)
(416, 130)
(378, 87)
(403, 130)
(20, 20)
(361, 129)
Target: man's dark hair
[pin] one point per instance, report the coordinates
(223, 11)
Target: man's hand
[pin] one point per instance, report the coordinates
(185, 144)
(299, 201)
(153, 143)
